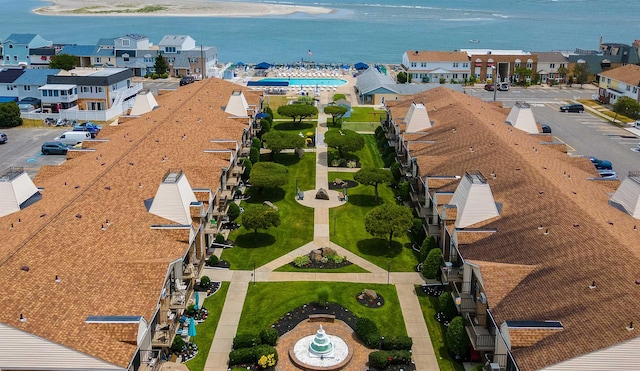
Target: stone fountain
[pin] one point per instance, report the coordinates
(320, 352)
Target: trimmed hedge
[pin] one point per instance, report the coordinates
(447, 306)
(251, 355)
(246, 341)
(397, 343)
(382, 359)
(431, 265)
(212, 261)
(367, 332)
(269, 336)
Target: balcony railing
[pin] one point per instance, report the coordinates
(462, 297)
(480, 337)
(451, 273)
(163, 335)
(149, 360)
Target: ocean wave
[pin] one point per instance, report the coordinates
(477, 19)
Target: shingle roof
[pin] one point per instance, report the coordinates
(9, 75)
(80, 50)
(629, 74)
(119, 271)
(588, 239)
(436, 56)
(36, 76)
(21, 38)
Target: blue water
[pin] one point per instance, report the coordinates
(307, 81)
(360, 30)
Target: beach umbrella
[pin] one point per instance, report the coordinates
(361, 66)
(261, 115)
(192, 327)
(197, 298)
(240, 63)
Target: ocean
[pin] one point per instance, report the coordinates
(358, 30)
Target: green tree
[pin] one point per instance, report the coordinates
(161, 66)
(457, 339)
(428, 244)
(562, 73)
(431, 265)
(344, 141)
(447, 306)
(268, 175)
(373, 177)
(260, 217)
(297, 112)
(63, 61)
(335, 111)
(387, 220)
(626, 106)
(254, 155)
(581, 72)
(523, 73)
(277, 141)
(402, 77)
(246, 174)
(10, 115)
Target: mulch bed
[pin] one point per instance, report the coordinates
(321, 265)
(293, 318)
(222, 264)
(376, 303)
(213, 288)
(433, 290)
(345, 184)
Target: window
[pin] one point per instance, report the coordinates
(170, 49)
(9, 87)
(27, 88)
(414, 64)
(171, 60)
(148, 58)
(635, 90)
(628, 88)
(126, 42)
(86, 89)
(7, 57)
(608, 81)
(455, 64)
(99, 89)
(601, 78)
(125, 57)
(423, 64)
(529, 65)
(465, 65)
(517, 64)
(562, 65)
(552, 65)
(193, 60)
(98, 60)
(10, 46)
(15, 57)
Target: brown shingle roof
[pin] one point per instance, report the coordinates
(629, 74)
(535, 185)
(119, 271)
(437, 56)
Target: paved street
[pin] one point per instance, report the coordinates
(23, 148)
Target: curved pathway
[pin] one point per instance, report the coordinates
(423, 353)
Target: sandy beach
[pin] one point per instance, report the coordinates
(165, 8)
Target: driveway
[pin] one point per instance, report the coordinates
(23, 148)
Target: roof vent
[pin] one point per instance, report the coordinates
(593, 285)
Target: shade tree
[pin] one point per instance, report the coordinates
(373, 177)
(344, 141)
(260, 217)
(388, 220)
(268, 175)
(335, 111)
(297, 112)
(276, 141)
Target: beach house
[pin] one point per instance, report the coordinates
(619, 82)
(16, 48)
(434, 66)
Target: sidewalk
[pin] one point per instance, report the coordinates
(423, 353)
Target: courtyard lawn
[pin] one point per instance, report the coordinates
(437, 332)
(348, 269)
(365, 114)
(287, 125)
(361, 127)
(368, 157)
(347, 228)
(296, 221)
(207, 329)
(266, 302)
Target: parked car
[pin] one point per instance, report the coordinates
(546, 129)
(186, 80)
(72, 138)
(54, 148)
(3, 138)
(488, 87)
(503, 86)
(88, 127)
(576, 107)
(636, 124)
(608, 174)
(601, 164)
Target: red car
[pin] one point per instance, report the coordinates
(488, 87)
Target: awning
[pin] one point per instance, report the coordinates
(268, 83)
(57, 87)
(361, 66)
(263, 66)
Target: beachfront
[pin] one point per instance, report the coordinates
(186, 8)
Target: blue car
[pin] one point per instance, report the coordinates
(89, 127)
(601, 164)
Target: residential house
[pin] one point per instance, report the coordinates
(28, 83)
(109, 245)
(40, 57)
(90, 55)
(619, 82)
(16, 48)
(135, 52)
(8, 86)
(436, 66)
(501, 65)
(548, 65)
(522, 228)
(185, 59)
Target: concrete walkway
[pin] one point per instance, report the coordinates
(423, 352)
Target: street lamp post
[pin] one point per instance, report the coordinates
(388, 273)
(254, 273)
(496, 77)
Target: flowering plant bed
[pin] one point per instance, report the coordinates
(299, 314)
(322, 265)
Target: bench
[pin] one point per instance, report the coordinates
(322, 317)
(268, 203)
(300, 195)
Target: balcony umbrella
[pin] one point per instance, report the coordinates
(197, 300)
(192, 327)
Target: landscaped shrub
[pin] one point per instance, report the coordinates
(379, 132)
(447, 306)
(269, 336)
(387, 151)
(246, 341)
(395, 171)
(265, 351)
(397, 343)
(190, 311)
(205, 281)
(178, 344)
(246, 174)
(382, 359)
(323, 295)
(417, 232)
(367, 332)
(403, 190)
(254, 155)
(234, 211)
(428, 244)
(336, 258)
(242, 356)
(267, 361)
(220, 238)
(431, 265)
(389, 159)
(212, 261)
(457, 339)
(301, 261)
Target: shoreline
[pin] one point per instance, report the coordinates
(168, 8)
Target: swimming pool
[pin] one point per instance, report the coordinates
(305, 81)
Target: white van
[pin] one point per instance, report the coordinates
(71, 138)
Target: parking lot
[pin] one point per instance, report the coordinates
(23, 148)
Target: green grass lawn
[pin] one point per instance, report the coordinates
(207, 329)
(606, 111)
(348, 269)
(361, 126)
(369, 156)
(296, 221)
(347, 228)
(266, 302)
(437, 332)
(365, 114)
(287, 125)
